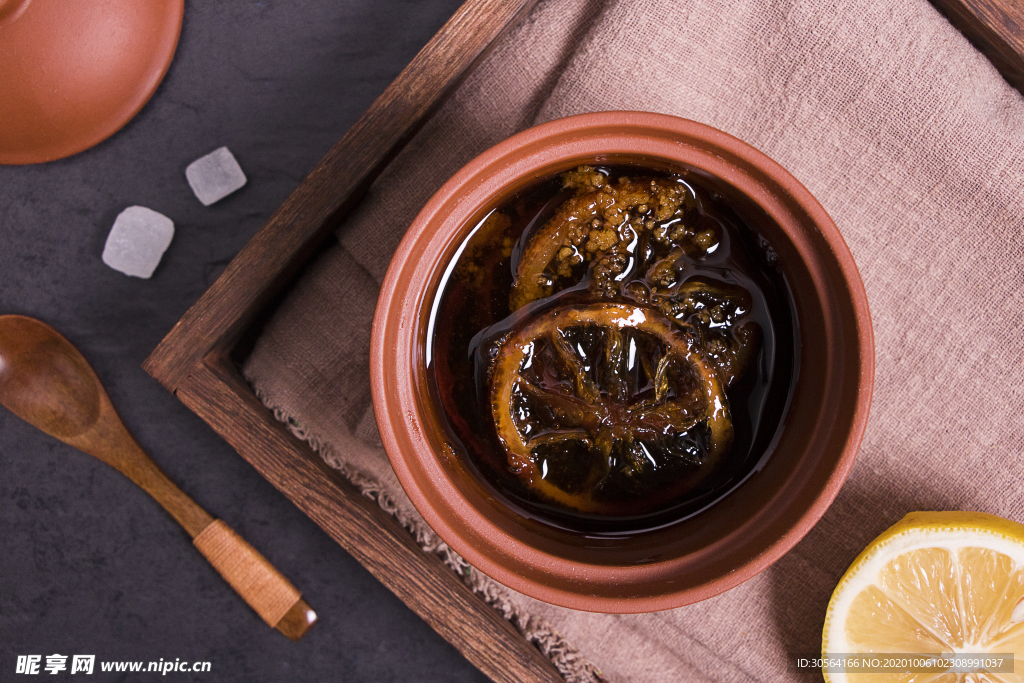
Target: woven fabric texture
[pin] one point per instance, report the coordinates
(906, 135)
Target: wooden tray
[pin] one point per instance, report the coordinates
(198, 360)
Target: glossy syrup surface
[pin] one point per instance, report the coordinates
(613, 349)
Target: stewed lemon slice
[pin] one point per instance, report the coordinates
(940, 583)
(604, 393)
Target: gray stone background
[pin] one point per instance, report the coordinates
(89, 564)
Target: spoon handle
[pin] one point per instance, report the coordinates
(252, 576)
(266, 590)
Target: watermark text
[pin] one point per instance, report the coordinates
(33, 665)
(907, 662)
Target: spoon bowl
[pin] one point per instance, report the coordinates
(36, 365)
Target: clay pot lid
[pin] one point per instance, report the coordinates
(73, 73)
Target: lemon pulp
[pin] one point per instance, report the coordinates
(935, 583)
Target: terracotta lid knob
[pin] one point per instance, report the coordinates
(11, 9)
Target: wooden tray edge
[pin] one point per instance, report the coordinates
(996, 28)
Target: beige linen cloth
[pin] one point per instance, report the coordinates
(915, 146)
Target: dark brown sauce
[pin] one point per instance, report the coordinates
(718, 283)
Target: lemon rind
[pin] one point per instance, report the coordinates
(918, 530)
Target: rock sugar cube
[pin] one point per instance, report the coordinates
(215, 176)
(137, 241)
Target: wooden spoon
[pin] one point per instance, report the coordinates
(45, 381)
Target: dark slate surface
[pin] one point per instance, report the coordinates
(88, 563)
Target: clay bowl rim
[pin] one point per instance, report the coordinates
(411, 282)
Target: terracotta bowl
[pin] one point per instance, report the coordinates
(741, 534)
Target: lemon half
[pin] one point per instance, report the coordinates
(935, 583)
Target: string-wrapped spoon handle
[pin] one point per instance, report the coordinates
(266, 590)
(45, 381)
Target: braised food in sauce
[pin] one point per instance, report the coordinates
(612, 346)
